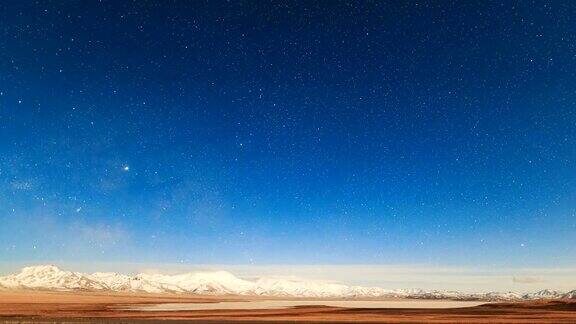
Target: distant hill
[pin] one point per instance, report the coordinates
(49, 277)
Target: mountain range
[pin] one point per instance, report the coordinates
(49, 277)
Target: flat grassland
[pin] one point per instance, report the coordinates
(42, 306)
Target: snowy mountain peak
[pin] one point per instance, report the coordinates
(570, 295)
(544, 294)
(50, 277)
(40, 269)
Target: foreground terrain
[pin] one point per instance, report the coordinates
(22, 305)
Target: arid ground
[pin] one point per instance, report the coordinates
(37, 306)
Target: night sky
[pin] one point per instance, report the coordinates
(288, 132)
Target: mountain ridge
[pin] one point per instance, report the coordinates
(50, 277)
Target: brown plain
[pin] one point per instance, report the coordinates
(38, 306)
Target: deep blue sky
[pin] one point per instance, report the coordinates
(288, 132)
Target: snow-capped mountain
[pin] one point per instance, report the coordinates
(544, 294)
(49, 277)
(570, 295)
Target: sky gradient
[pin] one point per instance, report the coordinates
(302, 133)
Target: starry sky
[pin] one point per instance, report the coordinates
(286, 132)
